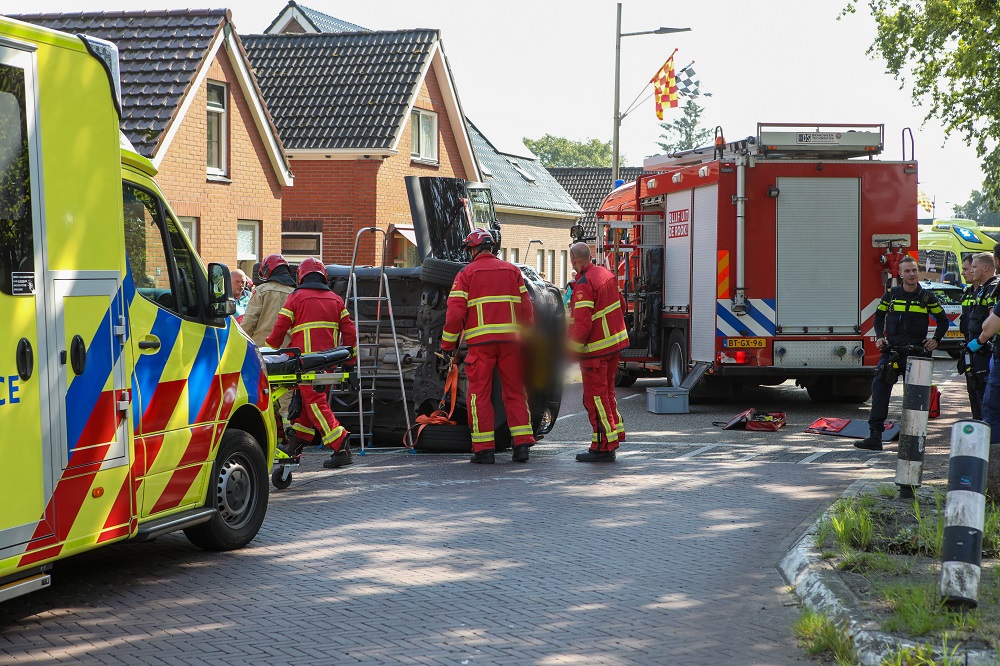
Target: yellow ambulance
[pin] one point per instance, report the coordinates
(944, 244)
(131, 405)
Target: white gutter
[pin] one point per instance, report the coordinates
(537, 212)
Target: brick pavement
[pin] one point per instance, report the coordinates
(423, 559)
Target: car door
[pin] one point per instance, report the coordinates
(175, 384)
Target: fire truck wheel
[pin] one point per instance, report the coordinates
(821, 390)
(439, 271)
(624, 379)
(238, 489)
(676, 358)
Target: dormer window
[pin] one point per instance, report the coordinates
(424, 136)
(521, 172)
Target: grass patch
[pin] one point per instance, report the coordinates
(924, 655)
(820, 634)
(887, 490)
(918, 610)
(991, 531)
(866, 562)
(853, 524)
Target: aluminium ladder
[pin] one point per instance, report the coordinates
(370, 347)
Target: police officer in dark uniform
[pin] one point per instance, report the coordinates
(900, 321)
(968, 299)
(976, 365)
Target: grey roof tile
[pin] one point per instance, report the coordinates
(588, 186)
(159, 53)
(339, 90)
(510, 188)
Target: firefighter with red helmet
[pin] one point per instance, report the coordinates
(489, 301)
(275, 284)
(597, 336)
(318, 321)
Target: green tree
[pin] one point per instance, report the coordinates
(686, 132)
(977, 209)
(948, 49)
(558, 151)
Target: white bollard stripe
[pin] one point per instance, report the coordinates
(908, 472)
(965, 509)
(960, 582)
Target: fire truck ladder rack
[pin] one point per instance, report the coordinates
(371, 348)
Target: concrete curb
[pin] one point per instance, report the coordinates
(821, 589)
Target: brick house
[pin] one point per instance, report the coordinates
(357, 112)
(191, 105)
(534, 211)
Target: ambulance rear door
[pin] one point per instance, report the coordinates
(28, 474)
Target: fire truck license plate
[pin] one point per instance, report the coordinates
(953, 334)
(744, 343)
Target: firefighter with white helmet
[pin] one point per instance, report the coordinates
(318, 321)
(275, 284)
(490, 302)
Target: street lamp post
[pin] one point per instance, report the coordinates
(618, 61)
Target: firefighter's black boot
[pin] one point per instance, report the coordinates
(484, 457)
(596, 456)
(520, 453)
(293, 444)
(873, 442)
(341, 458)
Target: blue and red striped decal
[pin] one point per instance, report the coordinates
(149, 367)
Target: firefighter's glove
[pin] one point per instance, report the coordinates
(447, 355)
(973, 345)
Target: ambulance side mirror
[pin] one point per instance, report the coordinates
(220, 286)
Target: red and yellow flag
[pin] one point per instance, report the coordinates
(665, 87)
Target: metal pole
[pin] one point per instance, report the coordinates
(618, 120)
(964, 514)
(913, 424)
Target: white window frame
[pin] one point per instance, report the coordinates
(290, 254)
(550, 274)
(223, 115)
(515, 255)
(540, 261)
(419, 151)
(255, 226)
(189, 224)
(564, 267)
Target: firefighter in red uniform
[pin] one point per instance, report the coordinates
(597, 336)
(318, 321)
(490, 303)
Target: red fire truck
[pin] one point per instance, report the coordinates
(762, 260)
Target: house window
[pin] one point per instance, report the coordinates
(190, 227)
(503, 253)
(514, 255)
(247, 245)
(564, 263)
(424, 136)
(218, 128)
(540, 262)
(297, 246)
(550, 274)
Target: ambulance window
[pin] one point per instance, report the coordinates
(162, 264)
(17, 249)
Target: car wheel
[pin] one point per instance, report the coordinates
(445, 439)
(676, 358)
(238, 490)
(440, 272)
(624, 379)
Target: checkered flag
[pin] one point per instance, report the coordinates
(688, 83)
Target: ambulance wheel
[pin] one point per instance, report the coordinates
(624, 379)
(238, 490)
(439, 271)
(278, 482)
(676, 358)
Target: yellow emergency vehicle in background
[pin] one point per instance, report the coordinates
(131, 405)
(944, 244)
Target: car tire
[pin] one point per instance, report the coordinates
(238, 491)
(445, 438)
(440, 272)
(624, 379)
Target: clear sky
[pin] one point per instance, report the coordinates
(527, 68)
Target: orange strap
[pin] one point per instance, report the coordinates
(438, 416)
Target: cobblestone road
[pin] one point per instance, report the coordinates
(664, 557)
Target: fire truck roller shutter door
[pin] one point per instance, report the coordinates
(818, 214)
(704, 268)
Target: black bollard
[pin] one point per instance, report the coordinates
(964, 513)
(913, 424)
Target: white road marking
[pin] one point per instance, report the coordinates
(692, 454)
